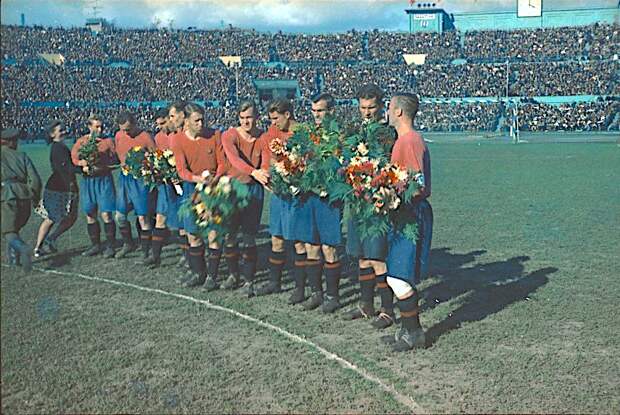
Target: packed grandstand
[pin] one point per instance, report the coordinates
(565, 78)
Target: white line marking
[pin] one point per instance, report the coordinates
(402, 399)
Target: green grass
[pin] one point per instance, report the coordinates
(521, 308)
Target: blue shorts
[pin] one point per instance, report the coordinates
(133, 194)
(316, 221)
(97, 194)
(375, 248)
(409, 260)
(247, 221)
(280, 218)
(168, 204)
(188, 222)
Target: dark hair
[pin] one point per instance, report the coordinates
(179, 106)
(245, 105)
(124, 117)
(328, 98)
(192, 108)
(161, 113)
(371, 91)
(281, 106)
(50, 129)
(407, 102)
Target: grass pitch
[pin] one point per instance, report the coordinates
(521, 308)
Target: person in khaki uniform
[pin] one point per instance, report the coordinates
(21, 189)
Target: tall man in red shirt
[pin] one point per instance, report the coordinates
(167, 197)
(97, 192)
(248, 163)
(176, 121)
(200, 159)
(132, 194)
(318, 225)
(282, 211)
(407, 260)
(371, 251)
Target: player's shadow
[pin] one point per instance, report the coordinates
(58, 259)
(350, 289)
(487, 288)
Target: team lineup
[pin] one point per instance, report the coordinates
(390, 262)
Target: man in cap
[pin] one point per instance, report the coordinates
(21, 189)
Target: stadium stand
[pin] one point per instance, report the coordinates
(144, 69)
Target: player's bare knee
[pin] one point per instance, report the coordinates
(194, 240)
(300, 248)
(329, 253)
(277, 244)
(160, 221)
(379, 267)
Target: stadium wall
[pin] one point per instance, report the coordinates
(556, 18)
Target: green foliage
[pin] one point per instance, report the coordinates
(215, 206)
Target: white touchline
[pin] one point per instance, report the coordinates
(403, 399)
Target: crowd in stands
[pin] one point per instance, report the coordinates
(343, 81)
(166, 65)
(560, 43)
(151, 47)
(389, 46)
(566, 78)
(581, 116)
(107, 84)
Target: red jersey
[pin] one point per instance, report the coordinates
(195, 156)
(410, 151)
(162, 141)
(107, 152)
(124, 142)
(244, 156)
(271, 134)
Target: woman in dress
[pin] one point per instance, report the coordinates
(59, 202)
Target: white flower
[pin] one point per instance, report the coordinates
(172, 161)
(279, 166)
(402, 175)
(323, 193)
(419, 178)
(205, 174)
(199, 187)
(224, 180)
(168, 153)
(226, 188)
(208, 190)
(295, 190)
(394, 203)
(362, 149)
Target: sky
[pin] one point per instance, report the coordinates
(311, 16)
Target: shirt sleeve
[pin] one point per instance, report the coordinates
(265, 151)
(33, 179)
(265, 154)
(75, 150)
(181, 162)
(220, 156)
(232, 153)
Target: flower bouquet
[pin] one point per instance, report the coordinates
(214, 205)
(288, 166)
(89, 151)
(136, 163)
(162, 168)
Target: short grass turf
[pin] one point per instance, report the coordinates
(521, 310)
